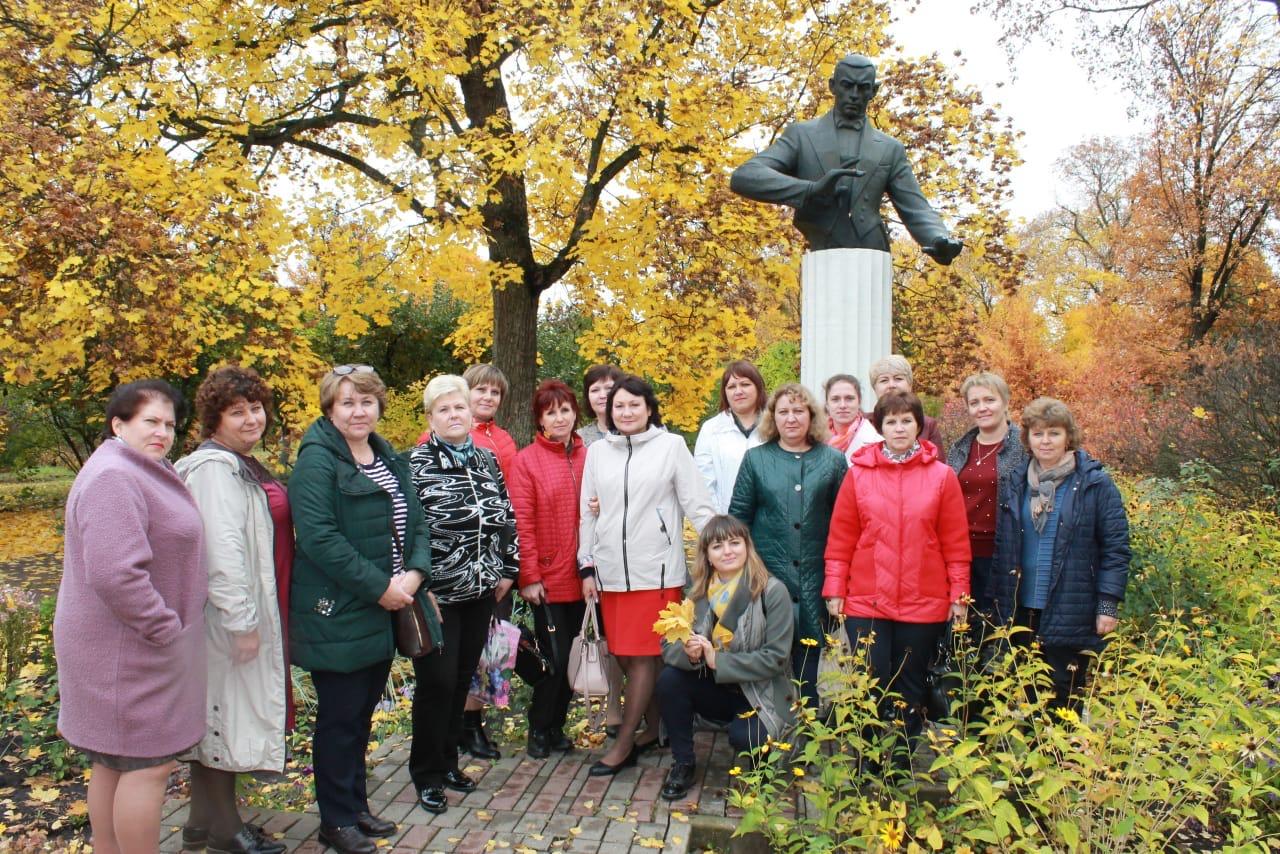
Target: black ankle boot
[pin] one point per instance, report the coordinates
(474, 740)
(539, 744)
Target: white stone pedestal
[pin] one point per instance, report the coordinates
(846, 315)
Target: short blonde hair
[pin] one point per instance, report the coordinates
(1050, 412)
(818, 430)
(442, 385)
(895, 364)
(486, 374)
(988, 380)
(363, 379)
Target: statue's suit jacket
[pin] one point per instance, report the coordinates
(784, 172)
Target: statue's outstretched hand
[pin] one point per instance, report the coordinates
(944, 250)
(827, 187)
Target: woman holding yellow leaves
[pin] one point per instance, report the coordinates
(731, 660)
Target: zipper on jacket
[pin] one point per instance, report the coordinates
(662, 525)
(573, 478)
(626, 475)
(901, 524)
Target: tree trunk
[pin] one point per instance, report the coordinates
(515, 353)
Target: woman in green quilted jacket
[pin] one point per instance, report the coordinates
(785, 491)
(362, 553)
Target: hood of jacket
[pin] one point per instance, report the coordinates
(210, 453)
(322, 434)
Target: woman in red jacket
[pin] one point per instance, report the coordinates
(544, 482)
(898, 558)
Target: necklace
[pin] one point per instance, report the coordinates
(982, 458)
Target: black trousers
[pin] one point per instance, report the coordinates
(443, 679)
(980, 585)
(1069, 667)
(344, 712)
(898, 658)
(552, 696)
(683, 693)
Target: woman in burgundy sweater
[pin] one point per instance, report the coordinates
(544, 483)
(984, 458)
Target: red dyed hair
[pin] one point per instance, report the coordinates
(552, 393)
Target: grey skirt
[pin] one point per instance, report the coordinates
(129, 763)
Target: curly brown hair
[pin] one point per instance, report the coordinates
(223, 387)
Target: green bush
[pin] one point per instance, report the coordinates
(1176, 742)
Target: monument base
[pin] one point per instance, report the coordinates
(846, 315)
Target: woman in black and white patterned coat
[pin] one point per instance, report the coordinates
(474, 563)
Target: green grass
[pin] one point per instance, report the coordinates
(33, 494)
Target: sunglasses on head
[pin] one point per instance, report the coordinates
(343, 370)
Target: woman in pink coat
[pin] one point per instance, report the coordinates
(898, 558)
(129, 629)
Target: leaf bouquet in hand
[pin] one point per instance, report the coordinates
(675, 623)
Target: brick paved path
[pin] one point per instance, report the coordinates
(524, 805)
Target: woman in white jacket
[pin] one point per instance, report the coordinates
(249, 552)
(631, 555)
(725, 438)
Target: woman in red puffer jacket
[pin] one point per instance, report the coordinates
(544, 482)
(897, 559)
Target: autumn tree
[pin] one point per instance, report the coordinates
(110, 271)
(1205, 185)
(503, 147)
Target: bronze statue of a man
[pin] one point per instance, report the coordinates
(835, 170)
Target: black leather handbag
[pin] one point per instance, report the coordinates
(533, 663)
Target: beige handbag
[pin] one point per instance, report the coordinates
(589, 663)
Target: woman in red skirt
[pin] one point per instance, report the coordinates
(631, 555)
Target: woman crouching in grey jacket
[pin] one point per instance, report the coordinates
(737, 660)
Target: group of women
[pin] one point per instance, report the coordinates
(189, 589)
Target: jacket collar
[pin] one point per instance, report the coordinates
(323, 433)
(869, 456)
(723, 422)
(575, 443)
(638, 438)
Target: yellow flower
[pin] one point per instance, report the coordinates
(799, 772)
(749, 713)
(891, 835)
(784, 745)
(735, 771)
(808, 641)
(1068, 715)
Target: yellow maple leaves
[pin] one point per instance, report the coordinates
(675, 622)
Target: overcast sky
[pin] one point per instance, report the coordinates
(1050, 99)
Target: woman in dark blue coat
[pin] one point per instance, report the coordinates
(1062, 548)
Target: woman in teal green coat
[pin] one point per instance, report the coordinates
(362, 553)
(785, 491)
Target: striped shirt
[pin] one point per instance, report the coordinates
(378, 472)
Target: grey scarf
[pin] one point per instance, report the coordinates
(1044, 487)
